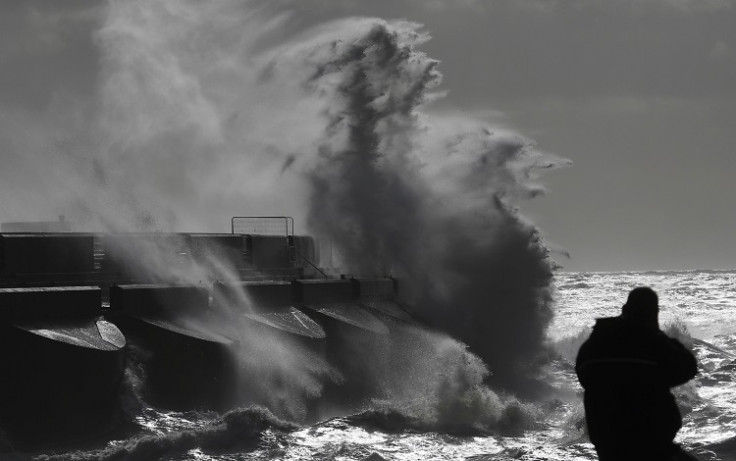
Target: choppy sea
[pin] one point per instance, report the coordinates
(697, 306)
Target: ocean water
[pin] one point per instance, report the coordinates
(697, 306)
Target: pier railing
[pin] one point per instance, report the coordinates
(263, 225)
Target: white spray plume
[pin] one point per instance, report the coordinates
(405, 192)
(196, 122)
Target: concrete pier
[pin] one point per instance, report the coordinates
(269, 303)
(379, 296)
(180, 343)
(337, 299)
(63, 350)
(62, 365)
(45, 253)
(267, 251)
(49, 303)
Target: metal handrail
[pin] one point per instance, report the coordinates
(287, 220)
(311, 264)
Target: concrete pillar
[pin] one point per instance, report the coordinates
(49, 303)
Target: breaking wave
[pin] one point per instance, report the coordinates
(205, 111)
(237, 429)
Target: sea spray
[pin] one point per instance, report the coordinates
(197, 121)
(280, 372)
(180, 132)
(395, 189)
(395, 193)
(436, 211)
(171, 73)
(422, 380)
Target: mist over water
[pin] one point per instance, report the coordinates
(433, 208)
(197, 119)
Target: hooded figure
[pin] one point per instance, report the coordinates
(627, 367)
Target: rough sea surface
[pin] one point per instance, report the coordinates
(698, 306)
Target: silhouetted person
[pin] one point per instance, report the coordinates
(627, 367)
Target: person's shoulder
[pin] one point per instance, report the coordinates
(607, 329)
(608, 323)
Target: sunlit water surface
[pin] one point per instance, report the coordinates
(703, 302)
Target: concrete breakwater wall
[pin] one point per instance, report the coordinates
(71, 319)
(76, 258)
(62, 364)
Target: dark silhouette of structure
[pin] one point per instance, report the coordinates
(627, 367)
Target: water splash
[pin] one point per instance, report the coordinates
(398, 195)
(197, 118)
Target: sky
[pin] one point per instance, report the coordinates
(639, 94)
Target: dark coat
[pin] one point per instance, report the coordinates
(627, 370)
